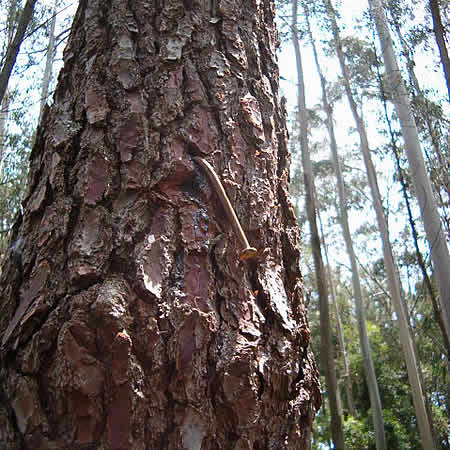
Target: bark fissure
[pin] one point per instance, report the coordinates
(167, 340)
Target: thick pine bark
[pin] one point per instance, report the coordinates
(127, 319)
(326, 345)
(422, 186)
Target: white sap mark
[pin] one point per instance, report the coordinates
(193, 431)
(273, 284)
(150, 267)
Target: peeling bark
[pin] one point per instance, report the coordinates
(127, 319)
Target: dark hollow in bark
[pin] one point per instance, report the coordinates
(127, 319)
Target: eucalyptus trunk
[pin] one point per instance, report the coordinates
(326, 345)
(440, 172)
(439, 33)
(128, 320)
(13, 49)
(4, 111)
(342, 213)
(422, 186)
(339, 328)
(374, 394)
(4, 104)
(391, 270)
(49, 61)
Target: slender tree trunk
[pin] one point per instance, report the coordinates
(326, 347)
(430, 215)
(13, 49)
(4, 110)
(439, 33)
(4, 104)
(392, 274)
(439, 165)
(420, 258)
(339, 327)
(127, 319)
(365, 346)
(49, 61)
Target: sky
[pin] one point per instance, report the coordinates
(429, 74)
(351, 11)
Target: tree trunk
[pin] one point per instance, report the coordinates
(420, 259)
(49, 62)
(339, 327)
(4, 111)
(439, 165)
(13, 49)
(326, 345)
(372, 384)
(4, 104)
(128, 320)
(439, 34)
(422, 186)
(392, 276)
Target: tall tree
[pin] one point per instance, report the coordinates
(326, 347)
(128, 319)
(14, 47)
(391, 268)
(4, 104)
(439, 34)
(339, 329)
(343, 217)
(375, 400)
(430, 120)
(422, 186)
(402, 177)
(49, 60)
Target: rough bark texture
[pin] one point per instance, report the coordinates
(127, 319)
(326, 342)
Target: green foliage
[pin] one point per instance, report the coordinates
(358, 434)
(21, 105)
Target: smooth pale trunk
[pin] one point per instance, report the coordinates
(49, 62)
(439, 33)
(343, 217)
(372, 384)
(14, 47)
(430, 215)
(422, 186)
(327, 354)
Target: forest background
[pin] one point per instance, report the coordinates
(411, 26)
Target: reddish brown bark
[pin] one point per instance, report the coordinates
(127, 319)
